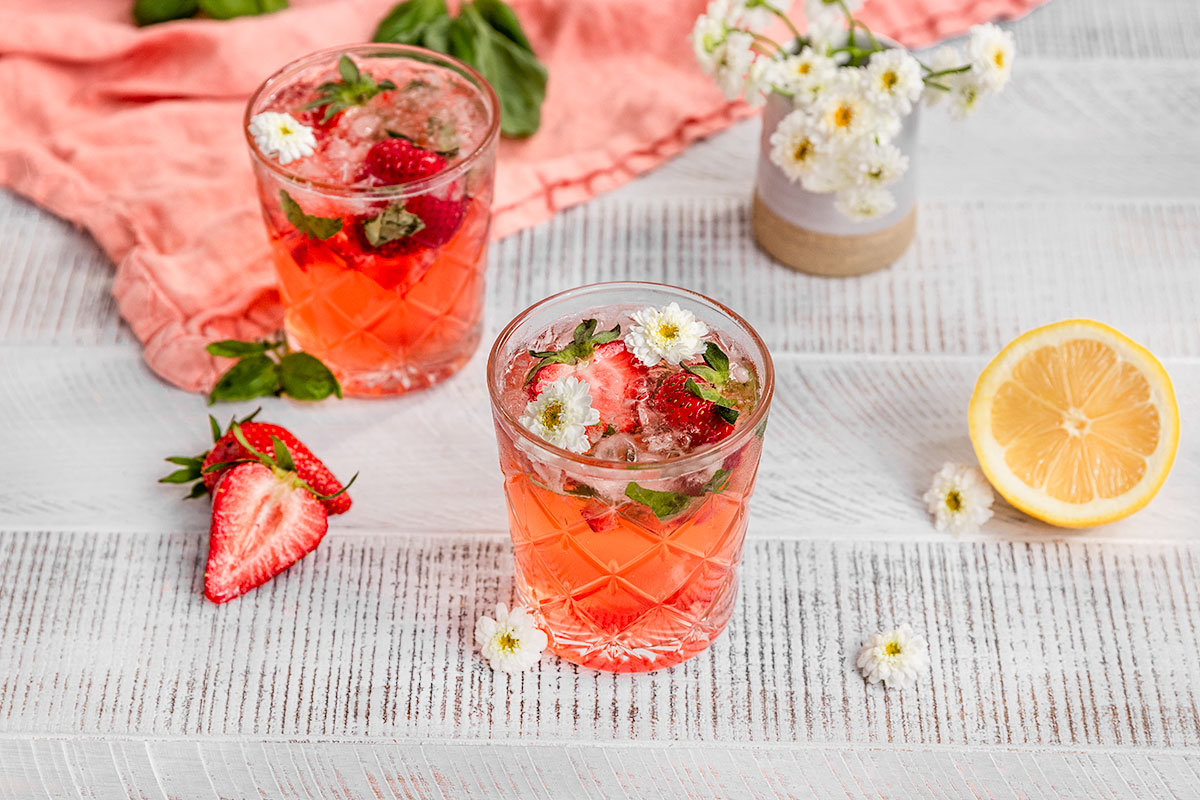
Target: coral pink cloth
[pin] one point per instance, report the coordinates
(135, 134)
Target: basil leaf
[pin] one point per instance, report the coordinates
(704, 392)
(408, 22)
(436, 35)
(717, 483)
(315, 227)
(304, 377)
(150, 12)
(663, 504)
(715, 357)
(233, 348)
(253, 376)
(228, 9)
(394, 223)
(519, 78)
(726, 413)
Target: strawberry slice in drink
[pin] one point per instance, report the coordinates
(614, 376)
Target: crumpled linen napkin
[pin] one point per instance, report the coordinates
(135, 134)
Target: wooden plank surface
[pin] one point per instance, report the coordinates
(1064, 665)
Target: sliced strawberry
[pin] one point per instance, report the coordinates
(685, 410)
(227, 451)
(397, 160)
(615, 378)
(263, 520)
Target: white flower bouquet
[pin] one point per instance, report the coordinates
(850, 91)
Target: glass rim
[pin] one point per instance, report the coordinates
(400, 189)
(699, 457)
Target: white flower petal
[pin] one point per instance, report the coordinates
(896, 657)
(960, 499)
(282, 136)
(670, 334)
(562, 413)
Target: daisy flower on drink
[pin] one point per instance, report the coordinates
(960, 499)
(670, 334)
(512, 642)
(893, 80)
(562, 413)
(896, 657)
(991, 50)
(865, 202)
(280, 135)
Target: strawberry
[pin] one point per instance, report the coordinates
(442, 218)
(264, 519)
(690, 403)
(397, 160)
(615, 378)
(228, 451)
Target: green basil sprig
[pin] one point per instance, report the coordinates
(149, 12)
(269, 369)
(487, 35)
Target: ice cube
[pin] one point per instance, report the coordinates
(618, 447)
(663, 442)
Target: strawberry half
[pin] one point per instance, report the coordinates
(690, 402)
(228, 451)
(614, 376)
(264, 519)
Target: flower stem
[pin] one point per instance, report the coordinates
(940, 73)
(786, 20)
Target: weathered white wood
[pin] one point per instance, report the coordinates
(1056, 644)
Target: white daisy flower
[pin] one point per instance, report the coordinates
(562, 413)
(708, 37)
(669, 334)
(805, 74)
(874, 164)
(829, 174)
(842, 112)
(826, 29)
(795, 145)
(512, 642)
(991, 50)
(759, 80)
(960, 499)
(281, 135)
(944, 58)
(733, 61)
(865, 202)
(893, 80)
(965, 94)
(896, 657)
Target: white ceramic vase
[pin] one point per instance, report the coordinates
(805, 231)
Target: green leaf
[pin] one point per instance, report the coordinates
(216, 428)
(717, 483)
(304, 377)
(228, 9)
(316, 227)
(150, 12)
(409, 22)
(663, 504)
(252, 376)
(340, 491)
(436, 35)
(217, 466)
(348, 70)
(504, 20)
(724, 410)
(180, 476)
(584, 331)
(185, 461)
(283, 456)
(715, 357)
(234, 348)
(726, 413)
(240, 435)
(393, 224)
(580, 490)
(199, 490)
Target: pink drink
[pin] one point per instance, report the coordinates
(395, 312)
(629, 551)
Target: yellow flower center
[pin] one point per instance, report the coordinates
(803, 150)
(875, 174)
(892, 648)
(803, 68)
(889, 79)
(552, 415)
(285, 130)
(999, 59)
(507, 642)
(843, 117)
(954, 500)
(668, 331)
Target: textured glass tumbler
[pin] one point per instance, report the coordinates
(638, 593)
(387, 315)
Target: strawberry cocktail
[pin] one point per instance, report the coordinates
(630, 419)
(375, 166)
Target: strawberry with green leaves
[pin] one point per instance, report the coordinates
(240, 443)
(615, 378)
(354, 89)
(692, 400)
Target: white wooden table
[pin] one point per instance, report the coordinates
(1064, 665)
